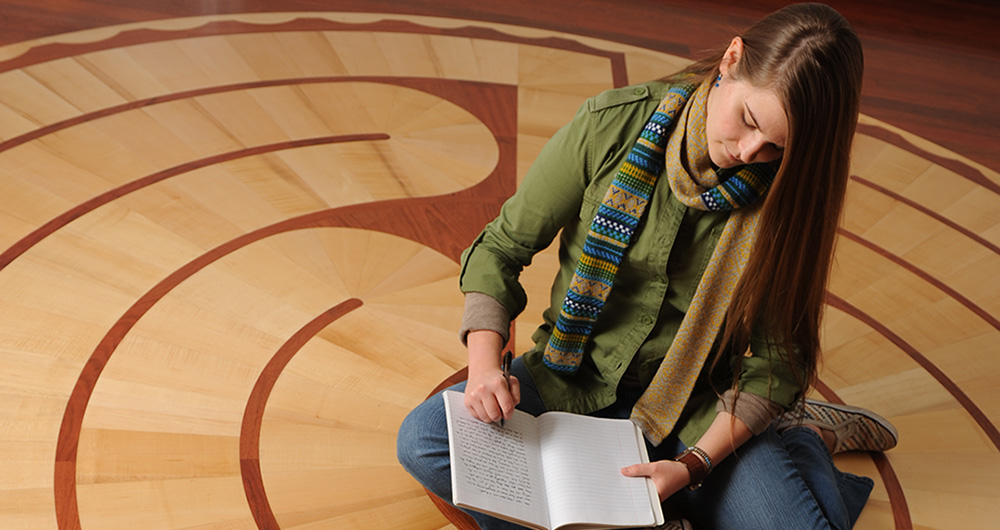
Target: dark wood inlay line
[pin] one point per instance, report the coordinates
(897, 497)
(952, 293)
(463, 212)
(495, 105)
(404, 217)
(929, 68)
(32, 239)
(253, 416)
(927, 211)
(67, 445)
(410, 82)
(963, 399)
(957, 166)
(53, 51)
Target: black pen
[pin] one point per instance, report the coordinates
(508, 357)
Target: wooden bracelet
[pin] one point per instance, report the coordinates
(697, 468)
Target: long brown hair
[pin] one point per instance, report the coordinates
(811, 57)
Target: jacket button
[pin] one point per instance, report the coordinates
(639, 91)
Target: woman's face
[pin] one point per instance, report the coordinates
(744, 124)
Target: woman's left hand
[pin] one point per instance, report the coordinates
(669, 476)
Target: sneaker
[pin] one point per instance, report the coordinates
(856, 429)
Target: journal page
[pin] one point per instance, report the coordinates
(496, 469)
(582, 457)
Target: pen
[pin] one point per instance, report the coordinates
(505, 365)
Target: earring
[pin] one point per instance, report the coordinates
(717, 79)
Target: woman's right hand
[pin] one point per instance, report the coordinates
(487, 395)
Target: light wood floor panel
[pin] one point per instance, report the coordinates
(229, 267)
(164, 504)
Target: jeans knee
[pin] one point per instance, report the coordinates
(407, 443)
(422, 446)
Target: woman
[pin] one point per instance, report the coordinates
(697, 219)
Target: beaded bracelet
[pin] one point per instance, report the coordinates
(698, 465)
(701, 452)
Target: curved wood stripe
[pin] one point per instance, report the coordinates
(494, 105)
(897, 497)
(956, 166)
(53, 51)
(618, 68)
(913, 72)
(67, 509)
(970, 406)
(958, 297)
(894, 490)
(419, 220)
(32, 239)
(138, 104)
(408, 82)
(453, 380)
(404, 217)
(927, 211)
(253, 416)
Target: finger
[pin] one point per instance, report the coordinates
(638, 470)
(477, 405)
(474, 408)
(481, 401)
(506, 401)
(515, 389)
(473, 403)
(490, 407)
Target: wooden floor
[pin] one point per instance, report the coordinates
(229, 234)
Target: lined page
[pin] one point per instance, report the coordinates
(582, 458)
(495, 469)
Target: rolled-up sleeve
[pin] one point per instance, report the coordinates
(754, 411)
(483, 312)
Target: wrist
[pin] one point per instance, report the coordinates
(484, 350)
(698, 464)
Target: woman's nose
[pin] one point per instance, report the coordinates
(751, 148)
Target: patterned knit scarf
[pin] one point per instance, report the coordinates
(609, 235)
(695, 183)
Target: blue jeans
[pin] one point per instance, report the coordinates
(785, 480)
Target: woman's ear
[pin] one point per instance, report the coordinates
(732, 56)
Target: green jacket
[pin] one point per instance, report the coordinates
(656, 280)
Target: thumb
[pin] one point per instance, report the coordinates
(638, 470)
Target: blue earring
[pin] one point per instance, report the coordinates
(717, 79)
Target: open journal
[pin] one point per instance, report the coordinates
(558, 470)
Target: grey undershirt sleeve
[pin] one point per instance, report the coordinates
(483, 312)
(755, 411)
